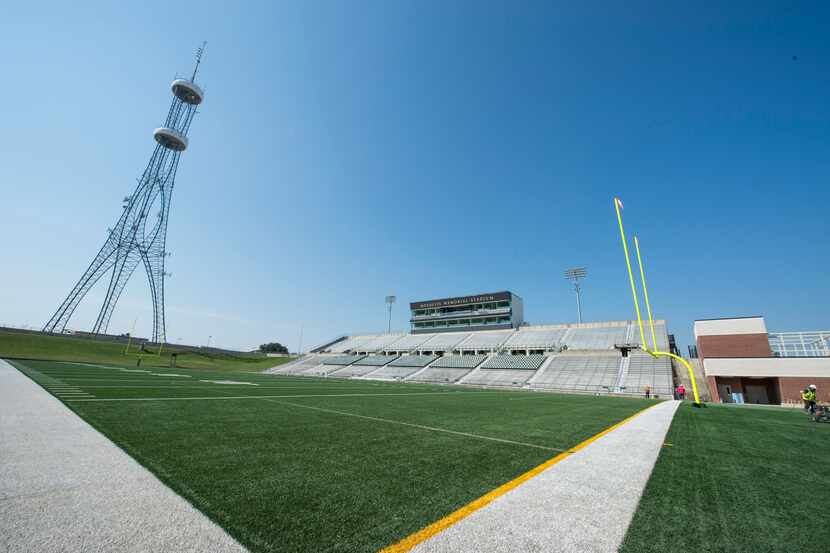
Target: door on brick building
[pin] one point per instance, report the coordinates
(756, 393)
(725, 393)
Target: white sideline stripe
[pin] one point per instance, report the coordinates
(585, 502)
(96, 498)
(420, 426)
(288, 396)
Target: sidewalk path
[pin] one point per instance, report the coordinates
(66, 488)
(582, 504)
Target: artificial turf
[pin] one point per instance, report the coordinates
(737, 479)
(31, 345)
(304, 464)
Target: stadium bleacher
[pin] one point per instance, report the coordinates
(581, 372)
(597, 338)
(645, 370)
(535, 339)
(488, 340)
(378, 343)
(659, 331)
(408, 343)
(413, 360)
(458, 362)
(431, 374)
(352, 370)
(576, 358)
(394, 372)
(499, 377)
(342, 359)
(376, 360)
(443, 342)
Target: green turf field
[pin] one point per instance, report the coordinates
(737, 479)
(27, 345)
(302, 464)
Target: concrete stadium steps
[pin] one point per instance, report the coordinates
(499, 377)
(445, 376)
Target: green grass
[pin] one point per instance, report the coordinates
(281, 476)
(737, 479)
(26, 345)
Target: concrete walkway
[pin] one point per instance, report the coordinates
(66, 488)
(582, 504)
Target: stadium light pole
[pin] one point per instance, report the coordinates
(389, 301)
(574, 275)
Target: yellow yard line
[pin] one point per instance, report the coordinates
(438, 526)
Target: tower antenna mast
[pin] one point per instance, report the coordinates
(139, 236)
(199, 52)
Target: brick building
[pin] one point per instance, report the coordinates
(744, 363)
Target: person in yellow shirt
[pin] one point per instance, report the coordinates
(809, 398)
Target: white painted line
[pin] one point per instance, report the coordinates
(419, 426)
(171, 374)
(452, 393)
(229, 382)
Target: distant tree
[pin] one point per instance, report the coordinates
(273, 347)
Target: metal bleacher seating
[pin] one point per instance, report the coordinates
(571, 358)
(443, 342)
(440, 375)
(580, 372)
(378, 343)
(458, 362)
(527, 362)
(376, 360)
(645, 370)
(342, 359)
(659, 331)
(545, 339)
(597, 338)
(413, 360)
(409, 342)
(394, 372)
(499, 377)
(490, 340)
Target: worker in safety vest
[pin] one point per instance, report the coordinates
(809, 398)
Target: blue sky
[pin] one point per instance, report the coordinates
(348, 150)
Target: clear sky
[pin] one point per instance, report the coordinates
(349, 150)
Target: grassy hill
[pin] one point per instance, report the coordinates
(25, 345)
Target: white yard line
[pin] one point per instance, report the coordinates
(453, 393)
(66, 488)
(584, 503)
(419, 426)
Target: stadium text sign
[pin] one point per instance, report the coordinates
(448, 302)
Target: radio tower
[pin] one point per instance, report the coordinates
(140, 234)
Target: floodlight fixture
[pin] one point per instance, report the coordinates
(575, 274)
(389, 301)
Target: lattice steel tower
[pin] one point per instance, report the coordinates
(140, 234)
